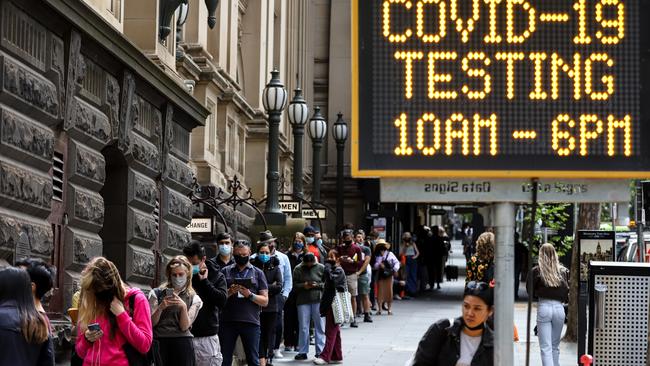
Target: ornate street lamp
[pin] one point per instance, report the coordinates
(317, 132)
(274, 99)
(298, 115)
(340, 133)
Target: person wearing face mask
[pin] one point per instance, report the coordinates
(271, 268)
(352, 262)
(210, 285)
(247, 295)
(308, 284)
(295, 254)
(313, 246)
(174, 307)
(386, 265)
(464, 341)
(364, 275)
(410, 250)
(224, 250)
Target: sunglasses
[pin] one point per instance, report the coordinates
(476, 285)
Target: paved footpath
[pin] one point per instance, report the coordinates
(391, 340)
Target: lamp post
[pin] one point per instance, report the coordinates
(340, 133)
(298, 115)
(317, 132)
(274, 99)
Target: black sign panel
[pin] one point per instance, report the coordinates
(518, 88)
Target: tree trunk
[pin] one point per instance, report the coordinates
(588, 219)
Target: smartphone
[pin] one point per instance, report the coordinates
(244, 282)
(94, 327)
(169, 292)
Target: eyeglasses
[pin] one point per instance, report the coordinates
(476, 285)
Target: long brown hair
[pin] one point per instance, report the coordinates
(100, 283)
(550, 268)
(15, 286)
(485, 247)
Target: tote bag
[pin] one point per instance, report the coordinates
(342, 307)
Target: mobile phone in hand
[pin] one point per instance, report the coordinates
(169, 292)
(94, 327)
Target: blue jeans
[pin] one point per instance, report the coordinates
(250, 338)
(550, 320)
(306, 313)
(411, 276)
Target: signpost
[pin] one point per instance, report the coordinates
(310, 214)
(290, 206)
(200, 225)
(503, 89)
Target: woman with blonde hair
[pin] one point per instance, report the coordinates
(174, 307)
(550, 283)
(481, 265)
(114, 320)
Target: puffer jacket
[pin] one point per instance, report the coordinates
(440, 345)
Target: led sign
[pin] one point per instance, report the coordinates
(516, 88)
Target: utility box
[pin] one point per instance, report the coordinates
(619, 313)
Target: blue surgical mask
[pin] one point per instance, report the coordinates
(298, 245)
(195, 269)
(264, 258)
(310, 240)
(319, 242)
(225, 249)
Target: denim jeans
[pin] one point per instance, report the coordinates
(250, 338)
(550, 320)
(306, 313)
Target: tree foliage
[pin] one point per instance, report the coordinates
(553, 216)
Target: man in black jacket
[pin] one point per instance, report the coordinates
(210, 284)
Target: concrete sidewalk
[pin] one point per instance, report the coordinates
(391, 340)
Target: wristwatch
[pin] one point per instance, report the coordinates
(251, 297)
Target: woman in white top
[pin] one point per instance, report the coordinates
(410, 251)
(464, 341)
(174, 307)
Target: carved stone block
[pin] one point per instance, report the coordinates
(25, 189)
(174, 238)
(38, 233)
(178, 174)
(26, 140)
(86, 166)
(88, 125)
(57, 60)
(142, 191)
(141, 228)
(176, 207)
(140, 265)
(81, 247)
(32, 92)
(146, 156)
(112, 95)
(88, 207)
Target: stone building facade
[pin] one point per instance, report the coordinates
(93, 138)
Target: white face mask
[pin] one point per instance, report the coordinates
(179, 282)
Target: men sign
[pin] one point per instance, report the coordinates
(494, 88)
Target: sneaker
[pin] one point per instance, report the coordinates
(300, 357)
(277, 354)
(319, 361)
(354, 325)
(367, 318)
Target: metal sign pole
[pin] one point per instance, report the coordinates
(531, 238)
(639, 220)
(504, 294)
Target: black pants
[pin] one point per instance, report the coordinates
(435, 269)
(175, 352)
(279, 324)
(250, 339)
(291, 322)
(267, 336)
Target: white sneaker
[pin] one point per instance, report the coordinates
(277, 354)
(319, 361)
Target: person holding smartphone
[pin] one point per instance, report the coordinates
(308, 282)
(174, 307)
(247, 295)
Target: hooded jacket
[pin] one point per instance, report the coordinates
(16, 350)
(440, 345)
(137, 332)
(214, 293)
(335, 281)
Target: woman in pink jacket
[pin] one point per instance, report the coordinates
(105, 325)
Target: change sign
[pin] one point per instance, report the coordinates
(519, 88)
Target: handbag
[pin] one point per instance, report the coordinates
(387, 271)
(134, 357)
(342, 308)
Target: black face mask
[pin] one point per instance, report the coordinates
(105, 297)
(347, 242)
(242, 260)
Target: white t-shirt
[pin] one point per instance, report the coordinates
(468, 347)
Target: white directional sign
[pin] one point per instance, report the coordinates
(290, 206)
(308, 213)
(200, 225)
(495, 190)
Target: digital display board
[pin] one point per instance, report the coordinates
(500, 88)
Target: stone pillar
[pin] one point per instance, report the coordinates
(504, 301)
